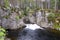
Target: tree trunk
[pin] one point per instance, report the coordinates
(56, 4)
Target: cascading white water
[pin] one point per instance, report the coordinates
(33, 26)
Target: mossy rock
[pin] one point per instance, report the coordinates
(2, 32)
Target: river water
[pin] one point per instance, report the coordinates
(35, 32)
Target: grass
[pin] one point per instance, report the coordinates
(56, 26)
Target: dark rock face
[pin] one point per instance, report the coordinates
(14, 9)
(28, 34)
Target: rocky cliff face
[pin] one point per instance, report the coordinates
(12, 17)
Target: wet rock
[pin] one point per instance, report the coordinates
(3, 14)
(20, 23)
(8, 20)
(13, 16)
(31, 18)
(3, 23)
(2, 2)
(12, 24)
(26, 20)
(0, 22)
(39, 17)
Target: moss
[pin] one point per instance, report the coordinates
(7, 16)
(56, 25)
(17, 18)
(21, 16)
(6, 4)
(57, 14)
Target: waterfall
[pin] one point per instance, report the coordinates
(33, 26)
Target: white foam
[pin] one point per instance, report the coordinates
(33, 26)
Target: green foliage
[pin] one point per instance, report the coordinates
(56, 25)
(51, 17)
(26, 10)
(57, 14)
(2, 32)
(7, 4)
